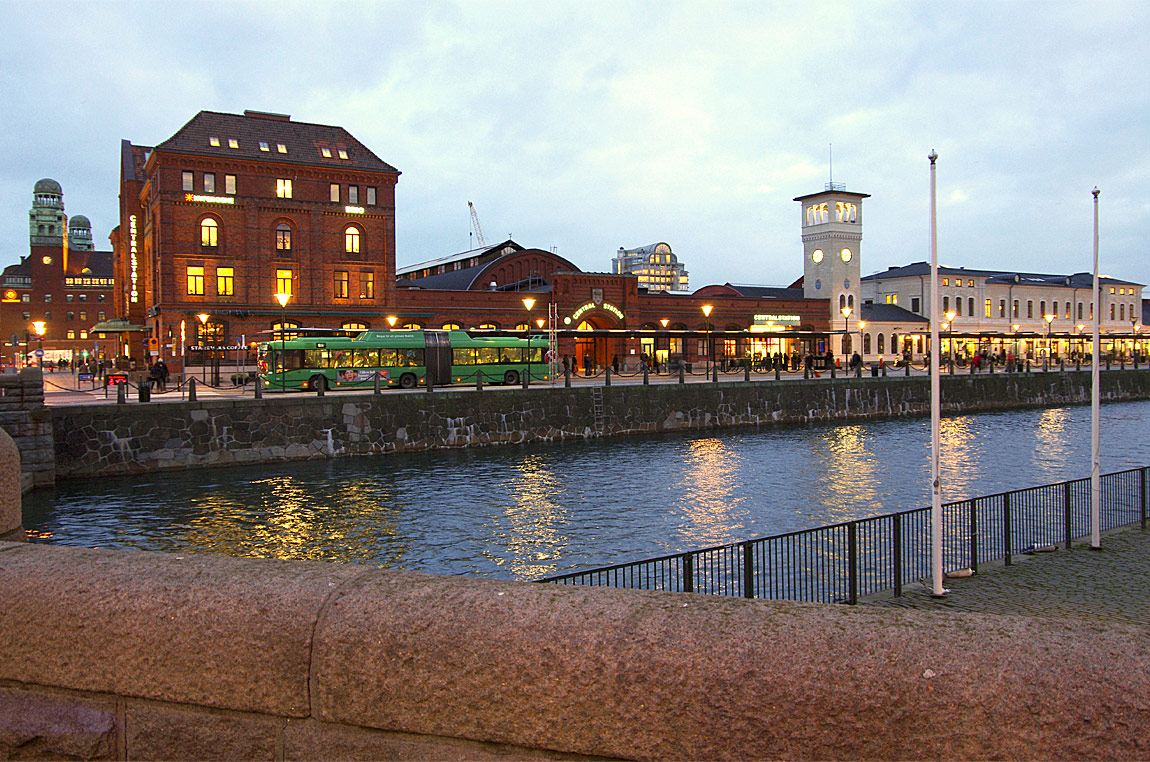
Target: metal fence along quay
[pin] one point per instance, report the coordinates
(843, 562)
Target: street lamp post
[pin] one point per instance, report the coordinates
(282, 298)
(1049, 318)
(862, 341)
(203, 317)
(846, 328)
(528, 302)
(38, 327)
(655, 360)
(707, 326)
(950, 315)
(391, 319)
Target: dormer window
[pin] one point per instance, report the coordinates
(233, 143)
(281, 148)
(214, 142)
(326, 152)
(342, 154)
(263, 145)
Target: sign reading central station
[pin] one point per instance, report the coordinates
(590, 306)
(784, 319)
(209, 199)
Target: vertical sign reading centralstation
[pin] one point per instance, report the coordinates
(133, 294)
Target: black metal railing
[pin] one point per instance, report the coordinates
(841, 563)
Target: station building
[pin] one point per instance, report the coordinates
(51, 300)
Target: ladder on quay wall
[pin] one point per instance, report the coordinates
(597, 408)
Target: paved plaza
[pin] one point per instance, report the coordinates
(1106, 586)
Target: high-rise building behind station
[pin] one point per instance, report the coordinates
(656, 266)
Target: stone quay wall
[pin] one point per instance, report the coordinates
(29, 423)
(124, 439)
(134, 655)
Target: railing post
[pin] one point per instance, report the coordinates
(853, 559)
(896, 543)
(191, 390)
(1066, 518)
(259, 388)
(566, 377)
(375, 382)
(908, 369)
(1006, 528)
(682, 373)
(747, 371)
(748, 569)
(715, 370)
(646, 377)
(607, 376)
(688, 573)
(479, 380)
(1144, 499)
(974, 536)
(777, 373)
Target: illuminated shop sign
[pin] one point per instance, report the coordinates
(354, 209)
(210, 199)
(11, 296)
(591, 305)
(133, 261)
(773, 323)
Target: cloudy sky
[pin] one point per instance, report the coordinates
(586, 126)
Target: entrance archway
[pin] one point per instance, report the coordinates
(593, 351)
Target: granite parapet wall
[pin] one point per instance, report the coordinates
(125, 439)
(134, 655)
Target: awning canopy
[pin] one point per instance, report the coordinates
(116, 325)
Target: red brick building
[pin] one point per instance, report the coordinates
(63, 286)
(233, 209)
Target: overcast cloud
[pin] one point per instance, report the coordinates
(586, 126)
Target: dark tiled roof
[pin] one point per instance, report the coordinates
(768, 292)
(98, 262)
(890, 313)
(304, 141)
(497, 248)
(132, 160)
(1076, 280)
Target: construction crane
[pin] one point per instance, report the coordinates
(475, 225)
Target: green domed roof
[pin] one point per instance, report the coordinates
(79, 221)
(48, 185)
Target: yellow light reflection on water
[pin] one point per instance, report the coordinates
(957, 456)
(531, 538)
(845, 479)
(708, 483)
(1052, 451)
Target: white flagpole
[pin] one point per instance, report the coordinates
(935, 407)
(1095, 396)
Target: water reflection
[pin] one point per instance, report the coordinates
(525, 512)
(707, 486)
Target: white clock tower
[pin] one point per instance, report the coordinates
(832, 232)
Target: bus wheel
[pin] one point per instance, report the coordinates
(318, 383)
(511, 378)
(407, 381)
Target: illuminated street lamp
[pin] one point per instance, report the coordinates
(203, 317)
(862, 339)
(950, 315)
(1049, 318)
(707, 325)
(282, 298)
(528, 302)
(846, 316)
(38, 327)
(391, 319)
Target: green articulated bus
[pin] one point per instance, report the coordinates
(401, 358)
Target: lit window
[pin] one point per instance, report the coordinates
(69, 316)
(83, 334)
(283, 237)
(371, 196)
(970, 283)
(189, 181)
(342, 154)
(1112, 310)
(281, 148)
(263, 145)
(195, 281)
(1112, 289)
(209, 182)
(326, 152)
(353, 194)
(100, 315)
(946, 281)
(334, 193)
(351, 240)
(945, 303)
(1029, 308)
(70, 297)
(225, 281)
(354, 326)
(230, 184)
(283, 188)
(233, 143)
(71, 334)
(451, 327)
(214, 142)
(209, 232)
(367, 285)
(283, 282)
(340, 284)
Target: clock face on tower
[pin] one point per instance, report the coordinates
(817, 256)
(846, 255)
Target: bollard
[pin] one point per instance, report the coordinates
(990, 366)
(832, 369)
(1107, 362)
(950, 363)
(566, 377)
(715, 378)
(1122, 362)
(121, 393)
(972, 368)
(682, 374)
(259, 388)
(144, 391)
(478, 380)
(1061, 365)
(646, 380)
(375, 383)
(777, 376)
(858, 371)
(1027, 367)
(191, 389)
(1078, 363)
(907, 366)
(320, 388)
(806, 372)
(884, 371)
(431, 384)
(746, 372)
(607, 376)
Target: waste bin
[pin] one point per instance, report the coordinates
(874, 371)
(145, 391)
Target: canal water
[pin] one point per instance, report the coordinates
(533, 511)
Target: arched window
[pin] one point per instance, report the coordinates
(286, 331)
(283, 238)
(488, 327)
(842, 301)
(894, 343)
(851, 301)
(881, 344)
(352, 325)
(351, 239)
(411, 327)
(451, 327)
(866, 343)
(209, 232)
